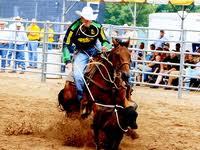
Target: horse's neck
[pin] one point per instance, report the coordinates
(102, 68)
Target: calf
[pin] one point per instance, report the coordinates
(112, 123)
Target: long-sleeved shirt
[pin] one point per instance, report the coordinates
(77, 35)
(19, 37)
(4, 36)
(160, 42)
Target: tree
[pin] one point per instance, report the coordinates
(119, 14)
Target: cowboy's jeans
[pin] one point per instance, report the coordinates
(80, 61)
(3, 53)
(32, 47)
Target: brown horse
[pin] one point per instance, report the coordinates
(105, 78)
(110, 124)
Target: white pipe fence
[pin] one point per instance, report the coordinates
(44, 53)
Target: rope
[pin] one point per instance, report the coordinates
(85, 82)
(125, 130)
(91, 36)
(109, 106)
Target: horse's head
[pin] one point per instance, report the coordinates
(120, 57)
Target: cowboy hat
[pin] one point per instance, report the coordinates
(3, 22)
(17, 18)
(87, 13)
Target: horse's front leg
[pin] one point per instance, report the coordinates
(86, 107)
(96, 138)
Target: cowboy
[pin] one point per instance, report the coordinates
(83, 36)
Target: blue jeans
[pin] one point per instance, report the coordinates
(32, 47)
(10, 52)
(3, 53)
(192, 73)
(50, 46)
(20, 56)
(79, 65)
(146, 69)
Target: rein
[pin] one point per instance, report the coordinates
(116, 113)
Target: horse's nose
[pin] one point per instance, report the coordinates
(125, 76)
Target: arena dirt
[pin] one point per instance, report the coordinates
(30, 118)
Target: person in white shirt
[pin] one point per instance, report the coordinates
(4, 36)
(161, 40)
(12, 28)
(21, 40)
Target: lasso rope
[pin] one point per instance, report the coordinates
(91, 36)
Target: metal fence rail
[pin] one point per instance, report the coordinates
(45, 53)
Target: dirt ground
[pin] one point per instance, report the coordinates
(31, 120)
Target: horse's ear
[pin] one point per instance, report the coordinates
(126, 44)
(115, 42)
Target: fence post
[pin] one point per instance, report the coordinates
(180, 85)
(44, 55)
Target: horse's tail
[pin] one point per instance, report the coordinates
(61, 100)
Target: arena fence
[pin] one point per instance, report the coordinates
(50, 63)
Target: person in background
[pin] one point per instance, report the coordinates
(4, 44)
(161, 40)
(150, 54)
(50, 35)
(33, 32)
(12, 28)
(21, 40)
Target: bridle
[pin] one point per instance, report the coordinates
(125, 63)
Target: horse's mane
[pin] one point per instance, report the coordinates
(99, 62)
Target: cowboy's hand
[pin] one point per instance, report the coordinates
(104, 49)
(69, 66)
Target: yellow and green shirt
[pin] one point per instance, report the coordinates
(74, 36)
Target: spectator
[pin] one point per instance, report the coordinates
(12, 29)
(188, 60)
(50, 35)
(167, 69)
(166, 47)
(4, 36)
(150, 54)
(150, 67)
(141, 51)
(33, 32)
(178, 47)
(191, 73)
(21, 40)
(156, 53)
(161, 40)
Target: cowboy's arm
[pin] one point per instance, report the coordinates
(102, 37)
(67, 46)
